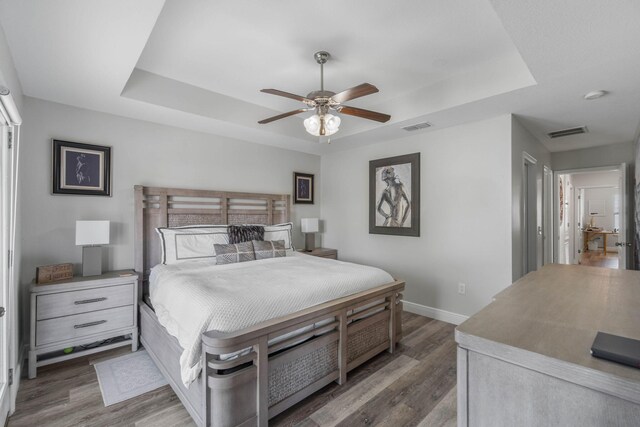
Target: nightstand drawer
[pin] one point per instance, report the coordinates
(74, 302)
(79, 325)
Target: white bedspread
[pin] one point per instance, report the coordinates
(194, 297)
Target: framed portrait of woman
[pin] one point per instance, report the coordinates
(394, 195)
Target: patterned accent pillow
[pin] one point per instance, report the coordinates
(234, 252)
(269, 249)
(245, 233)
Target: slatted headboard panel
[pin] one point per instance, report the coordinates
(175, 207)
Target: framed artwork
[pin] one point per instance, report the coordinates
(394, 195)
(302, 188)
(82, 169)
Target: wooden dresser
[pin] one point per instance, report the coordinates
(79, 314)
(524, 360)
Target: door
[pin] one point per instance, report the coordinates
(571, 216)
(547, 215)
(4, 285)
(622, 243)
(580, 223)
(529, 215)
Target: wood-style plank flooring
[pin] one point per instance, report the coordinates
(415, 386)
(598, 259)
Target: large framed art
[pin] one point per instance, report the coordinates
(83, 169)
(394, 195)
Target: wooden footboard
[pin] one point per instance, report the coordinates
(248, 390)
(271, 378)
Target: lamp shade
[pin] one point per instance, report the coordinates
(92, 233)
(310, 225)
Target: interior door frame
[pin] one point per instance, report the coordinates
(547, 215)
(622, 168)
(6, 327)
(528, 161)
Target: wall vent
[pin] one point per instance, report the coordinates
(567, 132)
(417, 127)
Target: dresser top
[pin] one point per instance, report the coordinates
(556, 313)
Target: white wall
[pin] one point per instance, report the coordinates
(143, 153)
(606, 195)
(465, 214)
(523, 141)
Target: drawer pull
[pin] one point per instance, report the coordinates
(89, 301)
(86, 325)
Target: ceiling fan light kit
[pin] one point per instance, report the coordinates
(322, 122)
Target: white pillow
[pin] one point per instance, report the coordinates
(189, 243)
(280, 232)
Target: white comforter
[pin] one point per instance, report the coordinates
(194, 297)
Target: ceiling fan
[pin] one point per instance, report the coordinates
(322, 123)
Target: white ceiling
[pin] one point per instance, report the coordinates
(200, 65)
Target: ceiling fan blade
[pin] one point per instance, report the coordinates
(287, 95)
(355, 92)
(282, 116)
(365, 114)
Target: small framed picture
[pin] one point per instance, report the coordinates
(302, 188)
(82, 169)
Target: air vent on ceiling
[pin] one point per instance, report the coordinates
(417, 126)
(567, 132)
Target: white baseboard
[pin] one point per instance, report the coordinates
(434, 313)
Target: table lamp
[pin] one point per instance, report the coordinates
(309, 227)
(90, 235)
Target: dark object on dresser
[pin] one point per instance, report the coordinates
(616, 349)
(54, 273)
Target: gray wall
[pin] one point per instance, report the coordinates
(607, 155)
(523, 141)
(465, 214)
(143, 153)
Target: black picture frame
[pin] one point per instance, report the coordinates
(81, 169)
(395, 223)
(303, 188)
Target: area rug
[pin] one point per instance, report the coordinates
(128, 376)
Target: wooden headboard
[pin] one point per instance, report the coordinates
(175, 207)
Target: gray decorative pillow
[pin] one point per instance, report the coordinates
(245, 233)
(269, 249)
(234, 252)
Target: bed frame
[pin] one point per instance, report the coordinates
(251, 389)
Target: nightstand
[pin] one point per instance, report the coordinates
(322, 253)
(80, 312)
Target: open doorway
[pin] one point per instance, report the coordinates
(590, 208)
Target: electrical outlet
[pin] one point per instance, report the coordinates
(462, 288)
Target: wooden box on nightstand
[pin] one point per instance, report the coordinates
(82, 311)
(322, 253)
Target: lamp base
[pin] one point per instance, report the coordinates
(91, 260)
(309, 242)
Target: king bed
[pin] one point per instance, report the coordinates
(240, 343)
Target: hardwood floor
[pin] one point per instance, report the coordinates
(415, 386)
(598, 259)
